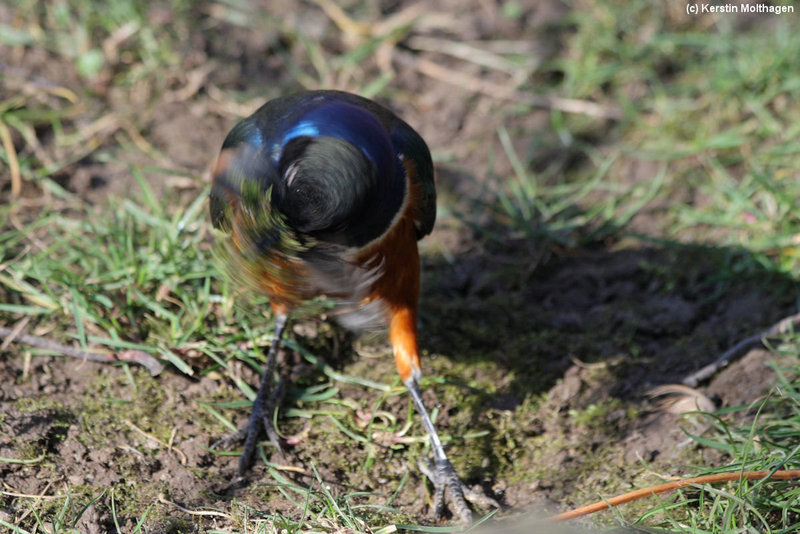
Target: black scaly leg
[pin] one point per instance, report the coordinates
(261, 416)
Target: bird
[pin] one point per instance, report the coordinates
(327, 193)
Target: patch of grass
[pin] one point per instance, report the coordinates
(111, 58)
(760, 437)
(56, 515)
(708, 139)
(134, 276)
(144, 278)
(705, 153)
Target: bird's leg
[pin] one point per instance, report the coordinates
(403, 335)
(398, 289)
(263, 408)
(261, 416)
(441, 472)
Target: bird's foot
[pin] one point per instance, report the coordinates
(260, 418)
(443, 476)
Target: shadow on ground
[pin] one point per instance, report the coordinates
(566, 343)
(653, 310)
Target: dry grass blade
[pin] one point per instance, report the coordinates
(502, 92)
(32, 496)
(343, 20)
(18, 80)
(195, 80)
(40, 497)
(13, 162)
(475, 54)
(359, 29)
(213, 513)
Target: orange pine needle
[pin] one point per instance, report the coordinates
(671, 486)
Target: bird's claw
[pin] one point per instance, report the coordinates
(261, 418)
(443, 476)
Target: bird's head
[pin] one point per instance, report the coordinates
(325, 183)
(301, 184)
(331, 171)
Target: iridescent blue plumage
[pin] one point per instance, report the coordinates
(277, 137)
(309, 177)
(350, 123)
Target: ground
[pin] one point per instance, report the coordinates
(541, 334)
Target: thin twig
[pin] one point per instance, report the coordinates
(131, 356)
(671, 486)
(783, 326)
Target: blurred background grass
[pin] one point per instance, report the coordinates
(557, 128)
